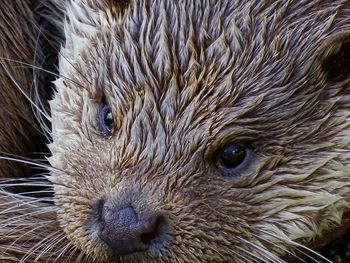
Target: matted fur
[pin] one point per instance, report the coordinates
(183, 79)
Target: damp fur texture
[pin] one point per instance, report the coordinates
(183, 79)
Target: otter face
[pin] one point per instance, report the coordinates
(202, 131)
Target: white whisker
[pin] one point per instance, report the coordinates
(280, 247)
(41, 69)
(24, 94)
(298, 246)
(52, 244)
(272, 257)
(252, 256)
(72, 252)
(38, 245)
(37, 100)
(33, 163)
(63, 251)
(42, 224)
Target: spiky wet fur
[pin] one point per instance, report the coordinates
(184, 78)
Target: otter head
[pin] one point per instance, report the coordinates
(201, 131)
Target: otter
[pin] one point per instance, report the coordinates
(198, 131)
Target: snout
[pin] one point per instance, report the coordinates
(126, 229)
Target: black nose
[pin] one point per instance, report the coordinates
(125, 233)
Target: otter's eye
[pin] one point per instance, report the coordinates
(105, 119)
(232, 156)
(337, 64)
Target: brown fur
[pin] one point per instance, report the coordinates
(24, 226)
(19, 131)
(183, 79)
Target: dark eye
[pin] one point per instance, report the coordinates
(232, 156)
(105, 119)
(337, 64)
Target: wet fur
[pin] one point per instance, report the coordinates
(183, 80)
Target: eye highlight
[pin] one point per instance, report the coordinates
(234, 159)
(232, 156)
(105, 119)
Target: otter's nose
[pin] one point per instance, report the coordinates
(125, 233)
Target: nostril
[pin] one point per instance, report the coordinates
(99, 208)
(152, 230)
(125, 232)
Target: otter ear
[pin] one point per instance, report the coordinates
(335, 58)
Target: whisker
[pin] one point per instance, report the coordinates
(39, 195)
(298, 247)
(18, 198)
(252, 256)
(16, 206)
(5, 186)
(41, 153)
(41, 69)
(38, 101)
(63, 251)
(80, 257)
(311, 251)
(38, 192)
(35, 164)
(39, 180)
(71, 252)
(9, 221)
(53, 242)
(60, 53)
(267, 253)
(242, 258)
(8, 184)
(44, 224)
(35, 178)
(270, 256)
(38, 245)
(280, 247)
(25, 162)
(23, 225)
(18, 201)
(21, 90)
